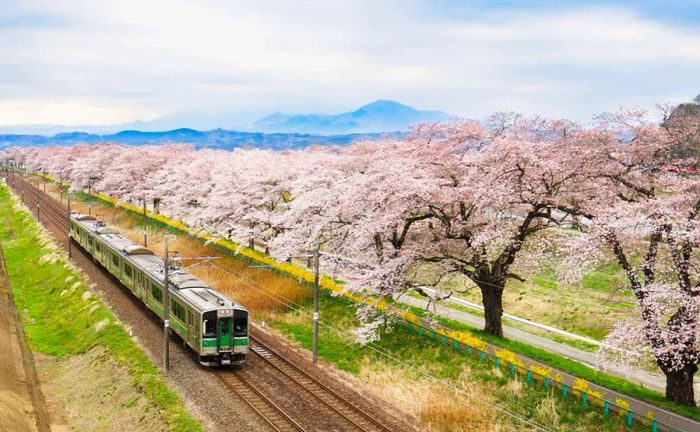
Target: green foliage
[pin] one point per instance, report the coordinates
(62, 317)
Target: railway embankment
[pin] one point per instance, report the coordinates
(22, 405)
(93, 374)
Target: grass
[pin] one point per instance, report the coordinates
(62, 317)
(575, 343)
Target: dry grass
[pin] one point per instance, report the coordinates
(515, 387)
(438, 406)
(546, 412)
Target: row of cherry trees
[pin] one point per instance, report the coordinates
(478, 200)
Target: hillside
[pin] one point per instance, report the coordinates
(378, 116)
(217, 138)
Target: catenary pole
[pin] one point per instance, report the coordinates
(38, 201)
(166, 311)
(70, 252)
(145, 232)
(316, 287)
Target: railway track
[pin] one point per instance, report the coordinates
(278, 420)
(353, 415)
(48, 208)
(347, 412)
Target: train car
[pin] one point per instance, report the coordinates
(210, 323)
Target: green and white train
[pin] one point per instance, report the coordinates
(210, 323)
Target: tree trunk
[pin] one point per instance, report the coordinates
(679, 385)
(492, 298)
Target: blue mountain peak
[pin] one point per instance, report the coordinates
(378, 116)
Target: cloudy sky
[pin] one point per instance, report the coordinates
(103, 62)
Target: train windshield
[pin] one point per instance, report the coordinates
(210, 328)
(240, 327)
(240, 323)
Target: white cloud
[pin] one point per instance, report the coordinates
(127, 59)
(69, 111)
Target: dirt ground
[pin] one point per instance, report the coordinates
(22, 406)
(91, 392)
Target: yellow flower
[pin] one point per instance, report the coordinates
(540, 370)
(624, 406)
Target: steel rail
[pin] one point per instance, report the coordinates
(56, 213)
(275, 416)
(354, 414)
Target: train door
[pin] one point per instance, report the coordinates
(225, 333)
(138, 284)
(193, 329)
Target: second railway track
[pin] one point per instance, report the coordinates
(268, 410)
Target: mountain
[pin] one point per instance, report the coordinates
(378, 116)
(216, 138)
(276, 131)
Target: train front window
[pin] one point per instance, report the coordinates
(240, 326)
(224, 327)
(209, 328)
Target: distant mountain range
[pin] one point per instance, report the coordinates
(217, 138)
(277, 131)
(378, 116)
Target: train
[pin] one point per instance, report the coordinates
(208, 322)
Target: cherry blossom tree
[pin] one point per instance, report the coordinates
(454, 195)
(639, 209)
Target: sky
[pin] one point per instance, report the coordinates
(109, 62)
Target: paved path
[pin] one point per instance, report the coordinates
(642, 378)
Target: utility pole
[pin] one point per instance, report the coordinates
(166, 310)
(38, 201)
(145, 232)
(70, 252)
(90, 180)
(317, 254)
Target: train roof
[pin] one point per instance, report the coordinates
(189, 287)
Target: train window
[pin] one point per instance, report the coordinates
(224, 326)
(115, 260)
(177, 309)
(209, 328)
(128, 271)
(157, 293)
(240, 326)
